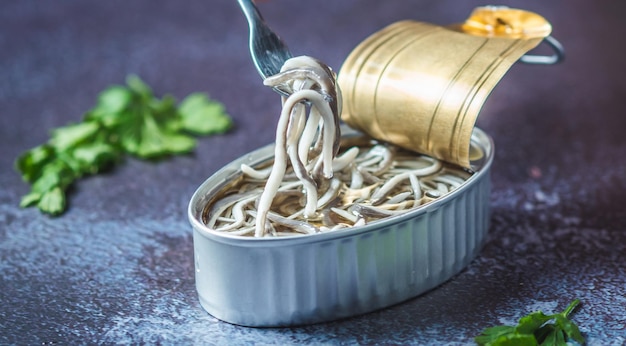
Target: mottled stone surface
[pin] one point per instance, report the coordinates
(118, 266)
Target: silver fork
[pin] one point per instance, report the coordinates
(268, 51)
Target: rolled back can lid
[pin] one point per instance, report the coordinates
(421, 86)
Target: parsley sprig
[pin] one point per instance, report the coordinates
(126, 120)
(535, 328)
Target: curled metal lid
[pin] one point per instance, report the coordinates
(421, 86)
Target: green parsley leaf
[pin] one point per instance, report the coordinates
(492, 334)
(203, 117)
(72, 136)
(94, 156)
(31, 162)
(545, 332)
(138, 87)
(515, 339)
(125, 121)
(30, 199)
(531, 322)
(569, 328)
(112, 101)
(53, 201)
(535, 329)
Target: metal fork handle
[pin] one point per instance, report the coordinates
(263, 40)
(251, 12)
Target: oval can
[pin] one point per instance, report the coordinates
(307, 279)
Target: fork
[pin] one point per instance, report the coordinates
(268, 51)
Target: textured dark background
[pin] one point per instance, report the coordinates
(118, 266)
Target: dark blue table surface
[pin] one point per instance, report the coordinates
(118, 266)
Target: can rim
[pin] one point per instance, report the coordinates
(215, 182)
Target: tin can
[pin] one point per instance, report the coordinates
(304, 279)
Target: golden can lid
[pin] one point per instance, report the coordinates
(421, 86)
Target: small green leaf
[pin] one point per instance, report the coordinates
(70, 136)
(52, 202)
(136, 85)
(30, 199)
(114, 100)
(48, 181)
(164, 110)
(529, 323)
(156, 143)
(554, 338)
(569, 328)
(53, 176)
(514, 339)
(129, 138)
(203, 116)
(491, 334)
(165, 114)
(560, 337)
(96, 156)
(193, 102)
(30, 163)
(542, 333)
(179, 143)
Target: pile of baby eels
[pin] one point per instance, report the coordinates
(311, 187)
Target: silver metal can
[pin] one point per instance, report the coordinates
(304, 279)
